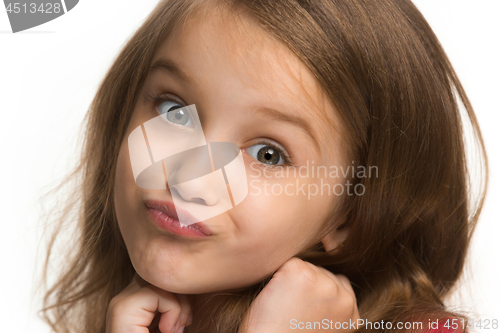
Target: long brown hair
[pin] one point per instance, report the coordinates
(398, 99)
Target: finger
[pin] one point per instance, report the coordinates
(186, 311)
(311, 275)
(294, 266)
(342, 281)
(323, 270)
(139, 309)
(153, 327)
(169, 307)
(339, 279)
(346, 283)
(320, 270)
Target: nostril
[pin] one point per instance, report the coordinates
(199, 201)
(187, 196)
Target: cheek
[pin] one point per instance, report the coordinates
(284, 215)
(130, 215)
(270, 229)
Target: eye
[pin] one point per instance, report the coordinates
(268, 153)
(173, 112)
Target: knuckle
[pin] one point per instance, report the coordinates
(331, 289)
(117, 307)
(347, 304)
(343, 279)
(112, 303)
(301, 271)
(291, 263)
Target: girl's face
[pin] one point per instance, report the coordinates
(250, 90)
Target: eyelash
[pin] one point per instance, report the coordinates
(158, 99)
(287, 159)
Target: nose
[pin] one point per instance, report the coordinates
(190, 176)
(199, 190)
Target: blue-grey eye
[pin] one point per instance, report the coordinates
(266, 154)
(175, 113)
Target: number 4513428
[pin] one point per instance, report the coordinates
(25, 8)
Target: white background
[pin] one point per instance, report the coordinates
(50, 73)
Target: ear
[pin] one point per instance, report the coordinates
(334, 238)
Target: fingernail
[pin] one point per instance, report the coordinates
(190, 319)
(181, 329)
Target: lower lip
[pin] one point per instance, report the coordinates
(166, 222)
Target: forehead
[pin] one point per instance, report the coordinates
(228, 55)
(222, 45)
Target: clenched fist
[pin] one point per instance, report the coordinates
(133, 310)
(300, 292)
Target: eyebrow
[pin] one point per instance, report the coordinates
(168, 65)
(171, 67)
(280, 116)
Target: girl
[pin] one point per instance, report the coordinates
(372, 239)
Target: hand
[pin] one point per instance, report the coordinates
(134, 309)
(300, 292)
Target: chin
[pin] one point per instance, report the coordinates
(177, 284)
(188, 288)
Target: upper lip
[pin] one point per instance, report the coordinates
(168, 208)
